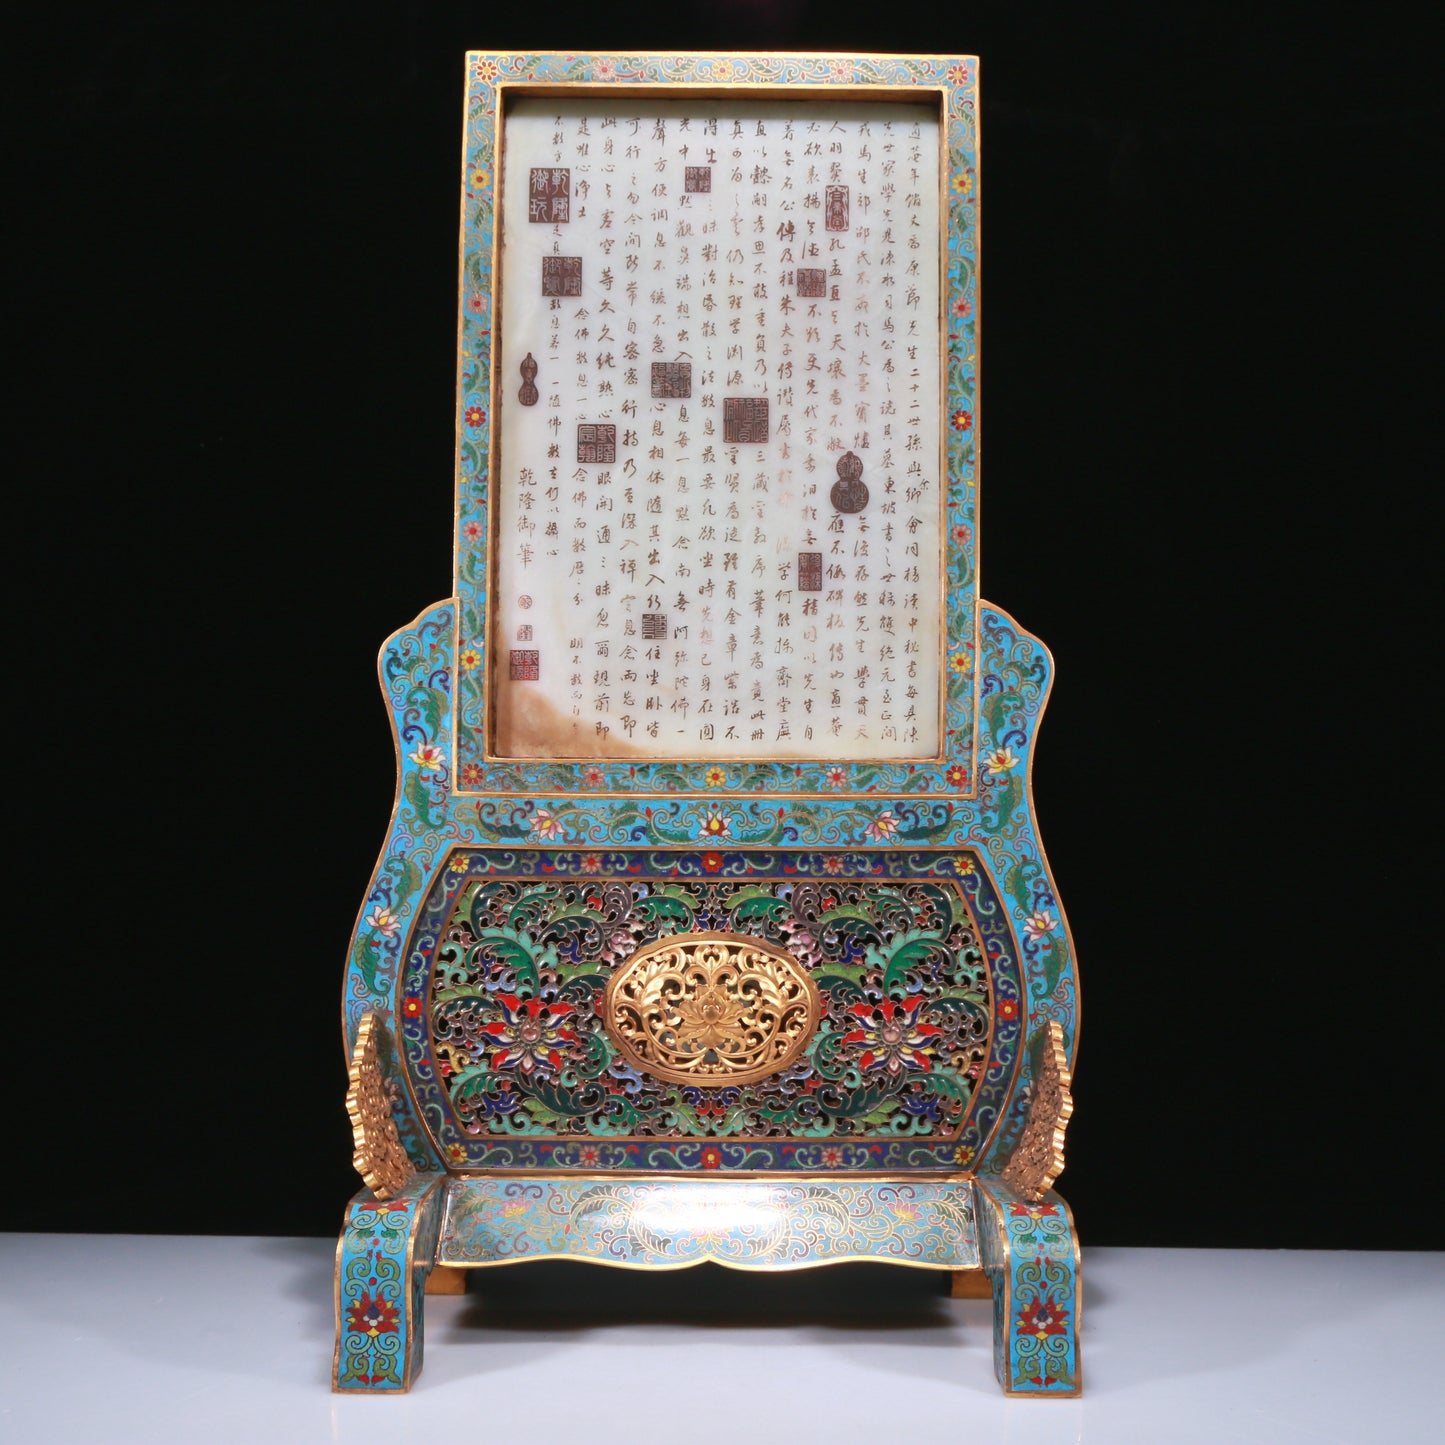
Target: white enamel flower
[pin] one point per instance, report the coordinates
(1040, 925)
(384, 921)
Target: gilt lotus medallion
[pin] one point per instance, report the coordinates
(711, 1008)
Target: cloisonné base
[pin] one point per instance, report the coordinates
(760, 1224)
(1027, 1251)
(1031, 1254)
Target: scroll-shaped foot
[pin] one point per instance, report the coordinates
(1031, 1255)
(386, 1251)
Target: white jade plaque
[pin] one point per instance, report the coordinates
(718, 482)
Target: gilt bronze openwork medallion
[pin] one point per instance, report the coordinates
(711, 1008)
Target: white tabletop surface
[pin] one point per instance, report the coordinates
(127, 1338)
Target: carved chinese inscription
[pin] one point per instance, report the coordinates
(672, 379)
(745, 419)
(725, 503)
(561, 275)
(596, 442)
(525, 664)
(549, 198)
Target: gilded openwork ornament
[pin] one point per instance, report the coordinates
(1038, 1158)
(379, 1158)
(711, 1009)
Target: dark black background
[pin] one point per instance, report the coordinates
(1210, 470)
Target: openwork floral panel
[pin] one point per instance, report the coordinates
(522, 1059)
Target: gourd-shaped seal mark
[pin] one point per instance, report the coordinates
(849, 493)
(528, 394)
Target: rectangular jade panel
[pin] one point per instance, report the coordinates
(718, 485)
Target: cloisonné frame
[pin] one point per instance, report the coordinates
(948, 85)
(464, 816)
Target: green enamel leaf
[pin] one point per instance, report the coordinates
(662, 832)
(843, 980)
(474, 904)
(752, 909)
(947, 1085)
(748, 890)
(1005, 801)
(892, 911)
(823, 1052)
(516, 951)
(659, 907)
(445, 996)
(870, 1104)
(996, 708)
(1055, 957)
(848, 921)
(471, 1080)
(419, 796)
(910, 950)
(429, 701)
(949, 902)
(844, 914)
(367, 960)
(562, 1101)
(532, 906)
(1016, 882)
(902, 1123)
(621, 1117)
(963, 1003)
(406, 874)
(599, 1054)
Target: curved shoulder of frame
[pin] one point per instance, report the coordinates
(998, 626)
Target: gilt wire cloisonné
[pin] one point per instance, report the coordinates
(520, 975)
(917, 1107)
